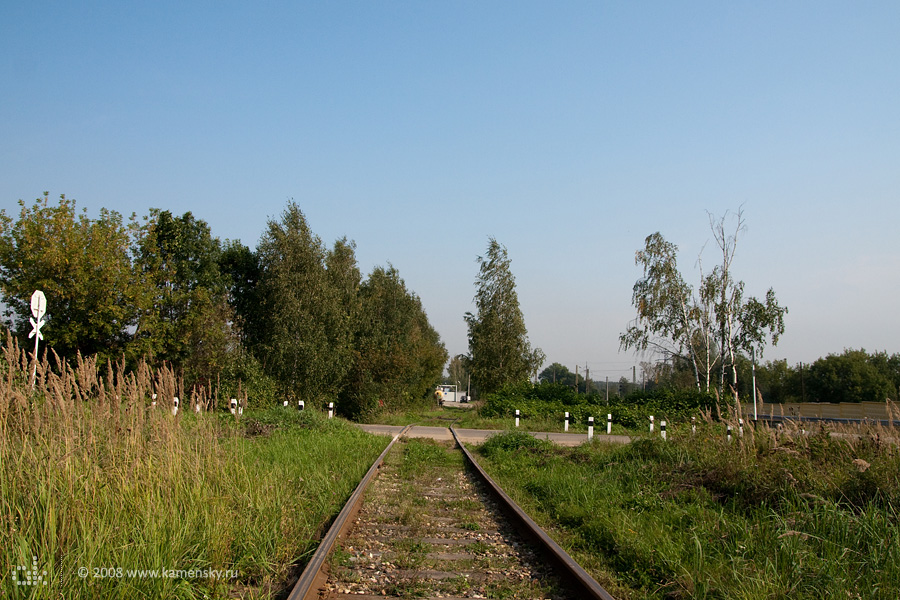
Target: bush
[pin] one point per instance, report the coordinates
(632, 411)
(512, 441)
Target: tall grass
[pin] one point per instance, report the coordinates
(773, 514)
(97, 485)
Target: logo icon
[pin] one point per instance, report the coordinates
(32, 577)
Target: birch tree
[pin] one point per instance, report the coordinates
(709, 327)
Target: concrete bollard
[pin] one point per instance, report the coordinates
(590, 428)
(662, 430)
(566, 423)
(608, 424)
(517, 417)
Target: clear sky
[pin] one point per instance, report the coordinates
(567, 130)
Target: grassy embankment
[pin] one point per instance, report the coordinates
(770, 515)
(97, 486)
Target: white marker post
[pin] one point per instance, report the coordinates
(693, 425)
(301, 404)
(330, 410)
(233, 406)
(566, 423)
(662, 430)
(590, 428)
(728, 436)
(174, 406)
(651, 423)
(608, 424)
(741, 427)
(197, 408)
(38, 310)
(517, 417)
(153, 400)
(285, 402)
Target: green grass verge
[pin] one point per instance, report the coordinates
(130, 502)
(696, 517)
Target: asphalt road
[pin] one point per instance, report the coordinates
(477, 436)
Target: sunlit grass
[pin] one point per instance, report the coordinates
(97, 485)
(766, 516)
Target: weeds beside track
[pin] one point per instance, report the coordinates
(104, 496)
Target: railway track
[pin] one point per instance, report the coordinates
(428, 522)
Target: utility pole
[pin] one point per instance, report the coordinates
(587, 379)
(802, 386)
(576, 379)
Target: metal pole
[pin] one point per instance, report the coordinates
(753, 358)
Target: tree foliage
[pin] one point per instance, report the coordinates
(300, 313)
(499, 350)
(709, 328)
(854, 376)
(240, 266)
(458, 373)
(290, 317)
(557, 373)
(184, 315)
(84, 268)
(398, 357)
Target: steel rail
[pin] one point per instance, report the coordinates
(313, 576)
(586, 585)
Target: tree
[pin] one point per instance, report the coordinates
(457, 373)
(709, 328)
(742, 325)
(398, 356)
(557, 373)
(499, 351)
(852, 376)
(669, 319)
(241, 269)
(84, 268)
(345, 279)
(185, 318)
(302, 322)
(778, 383)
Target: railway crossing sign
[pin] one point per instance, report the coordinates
(38, 310)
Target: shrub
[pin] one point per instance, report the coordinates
(632, 411)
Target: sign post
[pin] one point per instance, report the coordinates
(38, 310)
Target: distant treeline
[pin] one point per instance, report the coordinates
(292, 319)
(852, 376)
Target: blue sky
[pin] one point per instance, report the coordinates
(567, 130)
